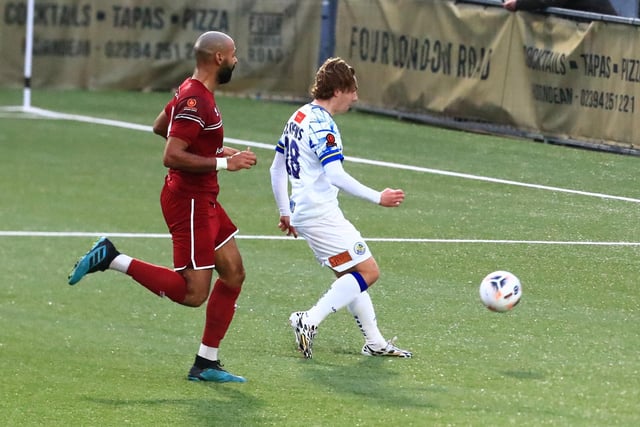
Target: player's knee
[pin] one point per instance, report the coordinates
(369, 275)
(369, 270)
(372, 277)
(234, 278)
(239, 276)
(193, 302)
(195, 299)
(196, 295)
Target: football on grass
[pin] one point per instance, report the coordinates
(500, 291)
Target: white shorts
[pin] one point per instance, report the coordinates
(335, 242)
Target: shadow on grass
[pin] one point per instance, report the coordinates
(222, 404)
(375, 379)
(524, 375)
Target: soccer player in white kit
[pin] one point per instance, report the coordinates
(309, 157)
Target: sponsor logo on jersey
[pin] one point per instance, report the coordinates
(340, 259)
(299, 117)
(331, 140)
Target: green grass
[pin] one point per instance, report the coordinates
(108, 352)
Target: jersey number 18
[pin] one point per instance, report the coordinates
(291, 157)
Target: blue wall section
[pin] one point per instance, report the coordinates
(626, 7)
(328, 30)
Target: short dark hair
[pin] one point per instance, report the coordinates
(334, 74)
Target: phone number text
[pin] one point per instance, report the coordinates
(608, 101)
(130, 49)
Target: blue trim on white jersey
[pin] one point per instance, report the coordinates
(331, 156)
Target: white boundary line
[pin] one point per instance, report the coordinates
(39, 112)
(34, 112)
(263, 237)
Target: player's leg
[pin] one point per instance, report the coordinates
(192, 237)
(361, 307)
(182, 215)
(375, 345)
(222, 303)
(98, 258)
(358, 265)
(159, 280)
(337, 244)
(305, 323)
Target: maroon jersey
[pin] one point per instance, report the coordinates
(194, 118)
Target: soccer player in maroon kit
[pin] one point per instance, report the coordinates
(202, 233)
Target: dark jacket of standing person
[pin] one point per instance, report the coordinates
(594, 6)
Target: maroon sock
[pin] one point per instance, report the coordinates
(220, 310)
(159, 280)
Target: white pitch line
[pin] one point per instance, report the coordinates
(9, 233)
(34, 112)
(456, 174)
(118, 123)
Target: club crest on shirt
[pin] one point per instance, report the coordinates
(359, 248)
(331, 140)
(191, 104)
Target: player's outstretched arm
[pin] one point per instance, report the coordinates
(341, 179)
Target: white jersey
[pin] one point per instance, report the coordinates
(309, 156)
(310, 141)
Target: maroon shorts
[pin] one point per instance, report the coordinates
(198, 226)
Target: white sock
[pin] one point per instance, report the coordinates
(210, 353)
(341, 293)
(121, 263)
(362, 309)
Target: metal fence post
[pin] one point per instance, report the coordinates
(328, 30)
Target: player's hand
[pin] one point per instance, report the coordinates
(229, 151)
(391, 198)
(285, 226)
(242, 160)
(510, 5)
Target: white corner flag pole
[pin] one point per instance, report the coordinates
(28, 56)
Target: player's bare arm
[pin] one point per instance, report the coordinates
(161, 124)
(177, 156)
